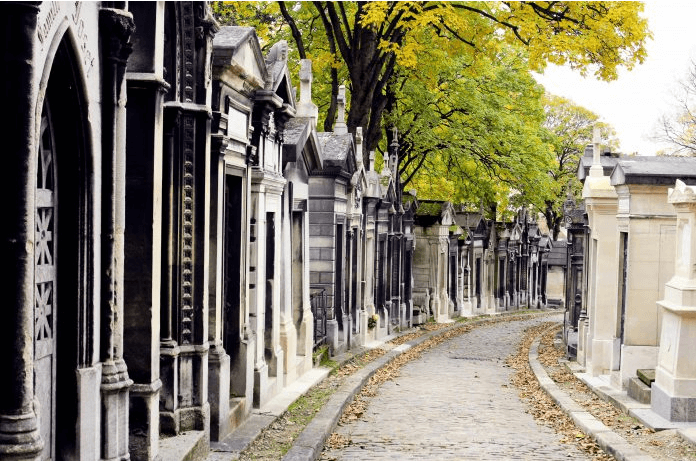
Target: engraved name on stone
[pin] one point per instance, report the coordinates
(45, 26)
(87, 58)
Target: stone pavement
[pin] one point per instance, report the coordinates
(455, 403)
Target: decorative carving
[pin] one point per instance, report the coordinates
(117, 27)
(188, 45)
(444, 244)
(270, 127)
(44, 269)
(357, 195)
(187, 226)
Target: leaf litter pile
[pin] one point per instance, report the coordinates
(661, 445)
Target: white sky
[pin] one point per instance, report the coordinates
(634, 102)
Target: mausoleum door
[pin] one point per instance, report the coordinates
(233, 264)
(63, 317)
(622, 288)
(45, 288)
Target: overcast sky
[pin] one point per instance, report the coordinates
(634, 103)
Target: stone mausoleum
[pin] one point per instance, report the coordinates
(182, 239)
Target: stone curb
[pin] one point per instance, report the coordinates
(309, 444)
(608, 440)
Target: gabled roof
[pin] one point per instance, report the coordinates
(338, 151)
(467, 219)
(278, 72)
(374, 188)
(300, 138)
(608, 163)
(656, 170)
(516, 232)
(238, 48)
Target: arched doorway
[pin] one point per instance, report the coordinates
(62, 288)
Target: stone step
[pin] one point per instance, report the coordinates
(647, 375)
(638, 390)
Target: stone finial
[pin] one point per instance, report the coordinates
(385, 166)
(596, 168)
(278, 52)
(359, 146)
(394, 152)
(306, 107)
(372, 160)
(341, 127)
(305, 80)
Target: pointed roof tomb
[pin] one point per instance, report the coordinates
(300, 132)
(238, 60)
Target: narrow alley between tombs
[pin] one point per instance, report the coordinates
(456, 402)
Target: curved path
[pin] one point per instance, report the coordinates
(455, 402)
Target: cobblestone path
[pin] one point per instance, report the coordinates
(455, 402)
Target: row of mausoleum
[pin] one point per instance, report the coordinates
(630, 306)
(465, 264)
(183, 239)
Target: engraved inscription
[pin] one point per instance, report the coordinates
(83, 40)
(44, 27)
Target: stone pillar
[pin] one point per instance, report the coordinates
(116, 26)
(305, 333)
(601, 205)
(169, 347)
(143, 243)
(674, 389)
(291, 257)
(218, 360)
(19, 432)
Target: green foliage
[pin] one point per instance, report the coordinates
(477, 135)
(454, 78)
(570, 127)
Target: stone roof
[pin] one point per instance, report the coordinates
(374, 189)
(232, 36)
(608, 162)
(276, 62)
(656, 170)
(467, 219)
(335, 146)
(295, 130)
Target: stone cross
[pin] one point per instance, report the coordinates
(341, 127)
(306, 107)
(596, 168)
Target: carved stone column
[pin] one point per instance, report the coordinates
(19, 434)
(116, 28)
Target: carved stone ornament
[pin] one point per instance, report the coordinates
(357, 195)
(444, 244)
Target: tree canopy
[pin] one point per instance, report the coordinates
(570, 128)
(454, 78)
